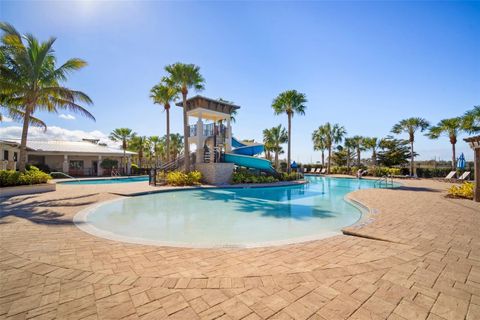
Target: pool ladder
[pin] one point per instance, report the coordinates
(387, 180)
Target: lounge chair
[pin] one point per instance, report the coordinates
(464, 176)
(312, 170)
(451, 175)
(324, 170)
(305, 170)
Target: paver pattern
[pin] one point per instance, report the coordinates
(417, 258)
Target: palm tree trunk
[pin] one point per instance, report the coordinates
(323, 158)
(168, 134)
(329, 159)
(411, 158)
(23, 143)
(276, 160)
(454, 158)
(289, 169)
(125, 160)
(186, 133)
(348, 159)
(358, 157)
(374, 157)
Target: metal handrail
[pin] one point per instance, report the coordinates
(64, 174)
(384, 179)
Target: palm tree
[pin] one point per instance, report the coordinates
(185, 77)
(318, 138)
(139, 144)
(452, 128)
(410, 126)
(333, 134)
(471, 120)
(349, 145)
(31, 80)
(155, 147)
(267, 143)
(357, 142)
(290, 102)
(275, 137)
(373, 145)
(176, 145)
(163, 94)
(123, 135)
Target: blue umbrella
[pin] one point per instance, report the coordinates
(294, 165)
(461, 162)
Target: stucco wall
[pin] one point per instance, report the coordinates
(216, 173)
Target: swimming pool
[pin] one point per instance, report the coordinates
(239, 217)
(106, 180)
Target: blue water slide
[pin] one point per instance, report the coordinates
(243, 155)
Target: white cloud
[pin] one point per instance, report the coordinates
(54, 133)
(67, 116)
(6, 119)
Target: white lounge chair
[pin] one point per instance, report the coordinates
(312, 170)
(464, 176)
(304, 170)
(317, 170)
(451, 175)
(324, 170)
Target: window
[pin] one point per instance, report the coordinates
(76, 164)
(15, 156)
(5, 154)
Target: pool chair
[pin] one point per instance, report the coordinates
(324, 170)
(464, 176)
(305, 170)
(312, 170)
(450, 176)
(317, 171)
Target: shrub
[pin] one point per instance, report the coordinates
(465, 190)
(290, 177)
(178, 178)
(9, 178)
(384, 171)
(109, 164)
(40, 166)
(245, 176)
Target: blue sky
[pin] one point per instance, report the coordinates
(364, 65)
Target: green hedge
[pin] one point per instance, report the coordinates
(246, 176)
(10, 178)
(437, 172)
(372, 171)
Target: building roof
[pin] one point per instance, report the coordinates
(473, 141)
(73, 147)
(210, 104)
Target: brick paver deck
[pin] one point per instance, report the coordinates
(419, 258)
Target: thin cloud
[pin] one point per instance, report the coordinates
(67, 116)
(6, 119)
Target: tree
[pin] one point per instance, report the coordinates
(123, 135)
(176, 145)
(451, 128)
(357, 142)
(333, 135)
(319, 143)
(410, 126)
(31, 80)
(185, 77)
(139, 144)
(373, 145)
(349, 145)
(471, 120)
(267, 144)
(394, 152)
(163, 94)
(275, 137)
(155, 144)
(290, 102)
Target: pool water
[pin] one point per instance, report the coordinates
(106, 180)
(244, 217)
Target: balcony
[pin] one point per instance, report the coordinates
(208, 130)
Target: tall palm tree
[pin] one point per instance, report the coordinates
(471, 120)
(155, 146)
(290, 102)
(276, 136)
(176, 145)
(31, 80)
(451, 128)
(163, 94)
(372, 143)
(357, 142)
(123, 135)
(267, 143)
(333, 134)
(410, 126)
(319, 143)
(185, 77)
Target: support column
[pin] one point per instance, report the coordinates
(65, 165)
(228, 142)
(99, 167)
(129, 165)
(476, 196)
(200, 140)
